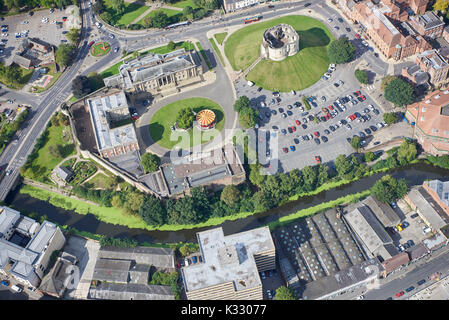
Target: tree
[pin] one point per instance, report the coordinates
(369, 156)
(171, 46)
(134, 201)
(73, 35)
(255, 176)
(185, 118)
(284, 293)
(80, 86)
(386, 80)
(118, 5)
(355, 142)
(390, 118)
(200, 13)
(64, 53)
(341, 50)
(248, 117)
(343, 165)
(116, 201)
(399, 92)
(407, 152)
(107, 17)
(13, 74)
(241, 103)
(441, 5)
(96, 81)
(152, 211)
(310, 178)
(147, 22)
(388, 189)
(160, 20)
(98, 6)
(362, 76)
(187, 11)
(150, 162)
(230, 195)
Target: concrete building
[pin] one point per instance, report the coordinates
(430, 118)
(370, 232)
(158, 73)
(233, 5)
(214, 169)
(112, 125)
(395, 263)
(428, 209)
(64, 173)
(33, 52)
(26, 246)
(434, 64)
(416, 76)
(342, 284)
(123, 273)
(428, 24)
(231, 265)
(383, 212)
(279, 42)
(55, 282)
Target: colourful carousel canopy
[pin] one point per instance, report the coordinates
(205, 118)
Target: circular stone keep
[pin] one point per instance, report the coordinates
(279, 42)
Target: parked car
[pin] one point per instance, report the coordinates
(420, 282)
(4, 283)
(399, 294)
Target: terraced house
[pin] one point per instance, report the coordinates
(158, 73)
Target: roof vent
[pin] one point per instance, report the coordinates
(428, 101)
(446, 91)
(437, 96)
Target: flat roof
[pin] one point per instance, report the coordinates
(130, 291)
(8, 217)
(158, 257)
(441, 188)
(228, 259)
(431, 211)
(112, 270)
(105, 136)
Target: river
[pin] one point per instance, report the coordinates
(414, 174)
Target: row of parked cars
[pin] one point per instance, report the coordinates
(409, 289)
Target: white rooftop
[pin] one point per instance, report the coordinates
(104, 135)
(228, 258)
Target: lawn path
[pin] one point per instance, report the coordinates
(143, 15)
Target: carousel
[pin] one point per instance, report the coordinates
(205, 119)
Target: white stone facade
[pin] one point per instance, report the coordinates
(279, 42)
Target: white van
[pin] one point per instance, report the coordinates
(250, 83)
(16, 289)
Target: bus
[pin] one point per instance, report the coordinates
(179, 24)
(252, 19)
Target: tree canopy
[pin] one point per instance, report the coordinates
(241, 103)
(399, 92)
(341, 50)
(388, 189)
(80, 86)
(230, 195)
(355, 142)
(185, 118)
(64, 54)
(248, 117)
(150, 162)
(362, 76)
(284, 293)
(390, 118)
(152, 211)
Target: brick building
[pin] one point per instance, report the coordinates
(430, 118)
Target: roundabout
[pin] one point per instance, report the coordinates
(209, 115)
(292, 52)
(100, 49)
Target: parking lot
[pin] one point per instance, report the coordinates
(301, 150)
(24, 26)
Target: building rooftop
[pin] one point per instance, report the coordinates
(228, 259)
(158, 257)
(383, 212)
(107, 136)
(349, 277)
(431, 58)
(428, 20)
(441, 188)
(112, 270)
(130, 291)
(395, 262)
(428, 207)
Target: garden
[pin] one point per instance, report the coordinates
(297, 72)
(165, 117)
(100, 49)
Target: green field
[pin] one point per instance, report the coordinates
(100, 181)
(242, 48)
(217, 51)
(132, 11)
(45, 162)
(220, 37)
(166, 117)
(100, 49)
(168, 12)
(183, 4)
(161, 50)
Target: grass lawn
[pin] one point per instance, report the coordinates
(183, 4)
(220, 37)
(100, 49)
(132, 11)
(243, 47)
(168, 12)
(161, 50)
(217, 51)
(45, 162)
(98, 182)
(206, 59)
(166, 117)
(26, 76)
